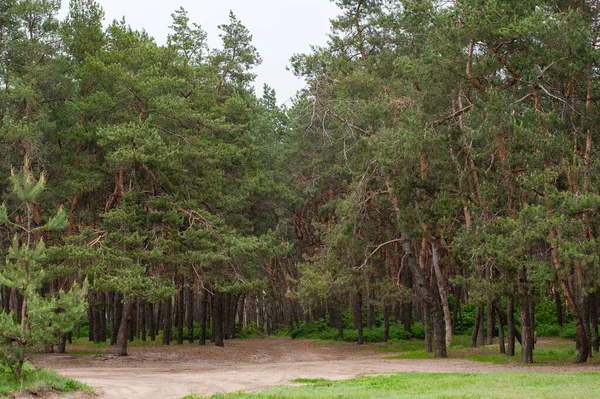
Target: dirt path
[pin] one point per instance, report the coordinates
(250, 365)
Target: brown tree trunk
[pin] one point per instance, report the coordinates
(179, 301)
(510, 324)
(593, 311)
(189, 312)
(62, 343)
(480, 328)
(501, 344)
(151, 321)
(90, 316)
(121, 345)
(116, 321)
(358, 319)
(386, 321)
(527, 334)
(143, 319)
(240, 311)
(203, 316)
(231, 312)
(427, 329)
(167, 321)
(439, 335)
(217, 317)
(491, 323)
(442, 294)
(132, 321)
(475, 333)
(526, 325)
(97, 321)
(407, 306)
(5, 299)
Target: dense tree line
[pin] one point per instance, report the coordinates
(462, 136)
(441, 154)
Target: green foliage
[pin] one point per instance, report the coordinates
(320, 330)
(41, 318)
(37, 380)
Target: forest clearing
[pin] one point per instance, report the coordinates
(253, 365)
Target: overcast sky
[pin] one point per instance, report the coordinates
(280, 28)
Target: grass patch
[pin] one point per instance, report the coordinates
(421, 386)
(314, 381)
(552, 354)
(36, 380)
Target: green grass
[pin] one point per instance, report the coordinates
(556, 353)
(446, 386)
(37, 380)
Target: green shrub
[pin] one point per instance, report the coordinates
(418, 330)
(568, 331)
(547, 330)
(321, 330)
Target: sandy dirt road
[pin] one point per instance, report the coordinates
(249, 365)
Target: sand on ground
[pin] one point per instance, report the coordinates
(172, 372)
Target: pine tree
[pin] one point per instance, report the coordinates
(41, 317)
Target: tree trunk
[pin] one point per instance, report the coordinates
(230, 313)
(225, 305)
(527, 334)
(151, 321)
(240, 311)
(427, 329)
(593, 305)
(358, 319)
(143, 319)
(370, 315)
(121, 345)
(167, 322)
(386, 321)
(439, 335)
(217, 316)
(501, 345)
(5, 299)
(203, 315)
(189, 313)
(137, 316)
(97, 323)
(504, 317)
(491, 325)
(510, 324)
(62, 343)
(117, 315)
(131, 321)
(475, 333)
(442, 294)
(103, 335)
(179, 301)
(480, 329)
(90, 315)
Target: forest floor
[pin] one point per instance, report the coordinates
(154, 371)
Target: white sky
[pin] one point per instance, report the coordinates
(281, 28)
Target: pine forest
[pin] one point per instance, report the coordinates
(435, 182)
